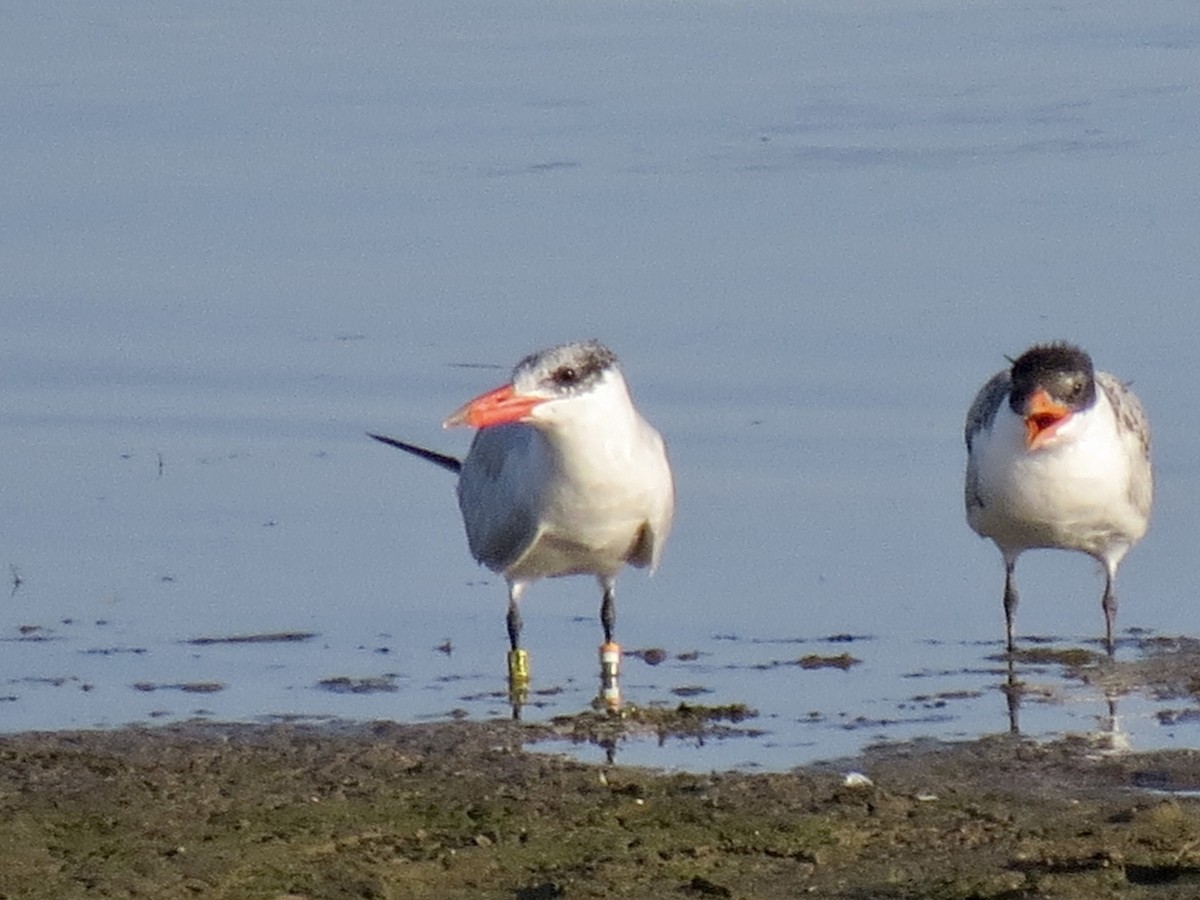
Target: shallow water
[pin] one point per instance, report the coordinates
(237, 239)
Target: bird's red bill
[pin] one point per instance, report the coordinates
(1043, 418)
(498, 407)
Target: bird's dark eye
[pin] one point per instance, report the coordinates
(566, 375)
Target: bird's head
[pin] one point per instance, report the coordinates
(1050, 383)
(543, 385)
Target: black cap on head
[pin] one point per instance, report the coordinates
(1062, 370)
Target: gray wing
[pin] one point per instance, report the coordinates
(1135, 431)
(1130, 415)
(985, 405)
(652, 536)
(980, 417)
(498, 508)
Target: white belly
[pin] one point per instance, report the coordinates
(1073, 495)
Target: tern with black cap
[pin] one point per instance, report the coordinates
(1058, 456)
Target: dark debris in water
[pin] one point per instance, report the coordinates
(687, 720)
(842, 661)
(827, 639)
(46, 680)
(942, 698)
(33, 634)
(1171, 644)
(859, 723)
(187, 687)
(651, 656)
(1178, 716)
(1074, 657)
(270, 637)
(537, 700)
(113, 651)
(372, 684)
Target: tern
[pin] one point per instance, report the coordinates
(563, 477)
(1058, 456)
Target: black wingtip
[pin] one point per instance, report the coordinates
(450, 463)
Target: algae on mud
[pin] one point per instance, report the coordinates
(464, 810)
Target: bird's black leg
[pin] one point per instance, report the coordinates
(1010, 601)
(1109, 605)
(608, 612)
(610, 653)
(514, 624)
(518, 659)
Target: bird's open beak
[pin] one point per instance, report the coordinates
(1043, 418)
(498, 407)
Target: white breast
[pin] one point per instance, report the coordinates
(1072, 493)
(584, 492)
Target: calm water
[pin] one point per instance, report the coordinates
(234, 239)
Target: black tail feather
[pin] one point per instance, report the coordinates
(451, 463)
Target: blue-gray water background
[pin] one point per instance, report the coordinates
(235, 237)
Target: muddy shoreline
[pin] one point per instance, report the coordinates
(465, 809)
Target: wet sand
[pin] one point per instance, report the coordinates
(466, 809)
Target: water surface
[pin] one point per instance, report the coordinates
(238, 238)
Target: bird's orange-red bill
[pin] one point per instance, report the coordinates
(498, 407)
(1043, 418)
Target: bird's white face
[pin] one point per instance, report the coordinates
(545, 387)
(1051, 386)
(602, 396)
